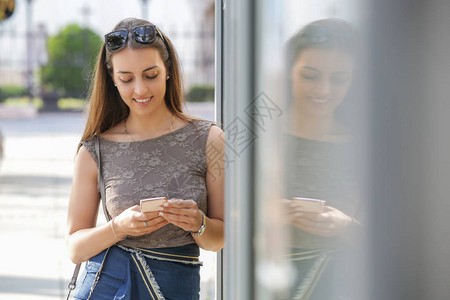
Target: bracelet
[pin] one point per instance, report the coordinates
(202, 228)
(114, 232)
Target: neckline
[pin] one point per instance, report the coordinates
(150, 139)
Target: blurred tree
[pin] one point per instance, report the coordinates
(72, 55)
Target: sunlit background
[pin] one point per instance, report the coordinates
(46, 50)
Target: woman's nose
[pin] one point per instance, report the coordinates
(140, 88)
(323, 88)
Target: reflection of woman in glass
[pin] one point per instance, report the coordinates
(320, 158)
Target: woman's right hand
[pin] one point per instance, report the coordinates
(133, 222)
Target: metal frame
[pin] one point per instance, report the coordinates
(218, 118)
(237, 93)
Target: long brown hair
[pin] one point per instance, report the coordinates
(106, 108)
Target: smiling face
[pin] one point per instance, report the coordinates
(320, 80)
(140, 77)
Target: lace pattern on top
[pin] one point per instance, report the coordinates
(321, 170)
(172, 165)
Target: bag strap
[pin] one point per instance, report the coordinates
(97, 276)
(73, 282)
(101, 182)
(101, 186)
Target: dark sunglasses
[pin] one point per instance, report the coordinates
(143, 34)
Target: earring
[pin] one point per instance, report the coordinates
(167, 77)
(115, 84)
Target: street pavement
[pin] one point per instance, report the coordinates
(35, 182)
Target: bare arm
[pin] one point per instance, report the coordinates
(214, 238)
(84, 239)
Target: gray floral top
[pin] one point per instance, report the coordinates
(321, 170)
(172, 165)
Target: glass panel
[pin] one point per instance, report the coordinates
(307, 114)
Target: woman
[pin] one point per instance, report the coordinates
(147, 147)
(321, 158)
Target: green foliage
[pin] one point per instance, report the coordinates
(200, 93)
(11, 91)
(72, 55)
(71, 104)
(23, 102)
(64, 104)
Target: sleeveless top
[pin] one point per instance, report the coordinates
(172, 165)
(321, 170)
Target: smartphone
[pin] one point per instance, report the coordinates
(152, 204)
(309, 204)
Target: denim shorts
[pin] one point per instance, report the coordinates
(131, 273)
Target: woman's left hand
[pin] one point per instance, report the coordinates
(182, 213)
(330, 222)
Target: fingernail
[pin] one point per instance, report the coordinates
(160, 208)
(161, 213)
(166, 204)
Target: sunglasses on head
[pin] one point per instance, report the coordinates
(143, 34)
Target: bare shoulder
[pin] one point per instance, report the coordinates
(83, 154)
(216, 134)
(85, 163)
(215, 144)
